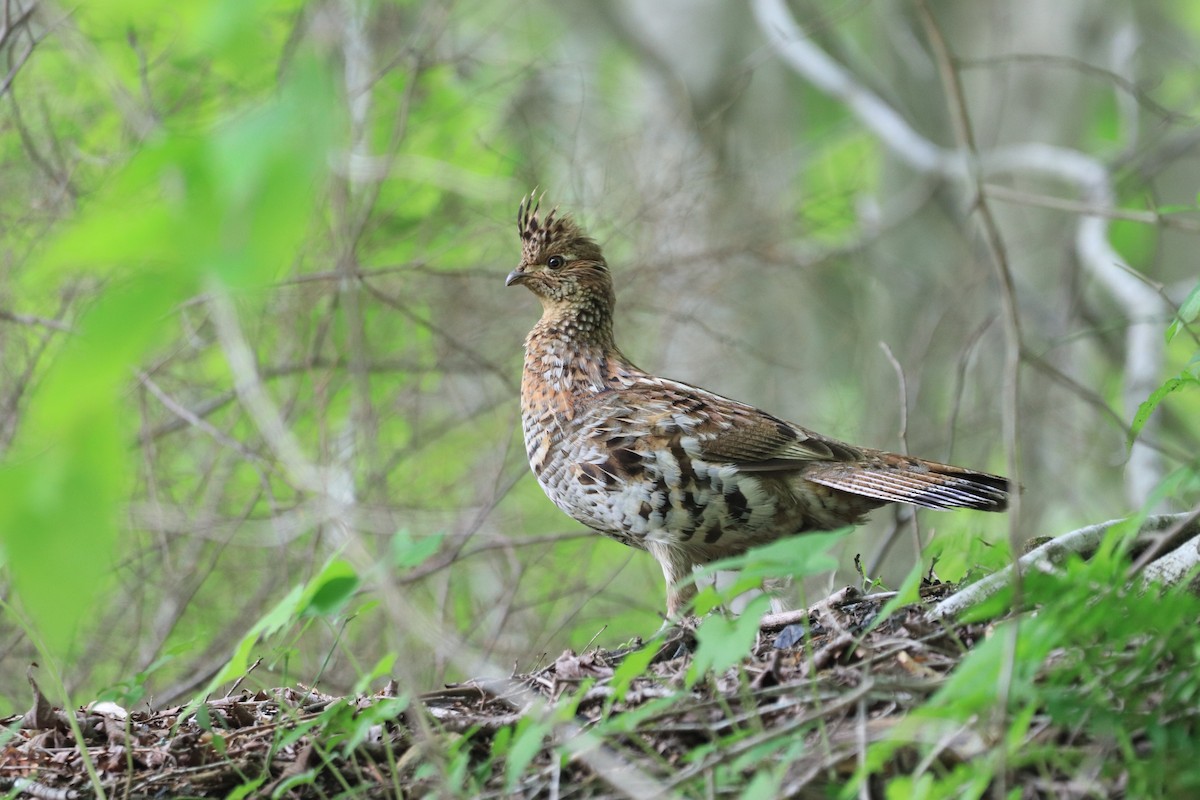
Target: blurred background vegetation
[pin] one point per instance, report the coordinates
(253, 326)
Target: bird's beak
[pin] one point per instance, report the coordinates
(516, 276)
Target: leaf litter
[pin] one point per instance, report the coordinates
(802, 714)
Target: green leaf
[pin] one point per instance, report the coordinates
(305, 778)
(359, 723)
(526, 744)
(58, 523)
(70, 467)
(722, 642)
(1157, 396)
(501, 742)
(905, 787)
(1187, 313)
(791, 556)
(908, 593)
(763, 786)
(974, 686)
(706, 600)
(633, 666)
(382, 667)
(410, 551)
(234, 201)
(1179, 483)
(329, 591)
(247, 789)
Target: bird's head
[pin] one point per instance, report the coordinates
(559, 263)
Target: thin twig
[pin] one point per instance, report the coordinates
(1143, 309)
(1079, 65)
(1009, 195)
(1012, 351)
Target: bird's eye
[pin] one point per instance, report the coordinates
(555, 262)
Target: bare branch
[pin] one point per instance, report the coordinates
(1143, 309)
(1049, 555)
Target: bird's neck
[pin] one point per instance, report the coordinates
(571, 349)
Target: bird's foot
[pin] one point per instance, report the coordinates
(676, 638)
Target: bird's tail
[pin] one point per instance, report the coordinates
(901, 479)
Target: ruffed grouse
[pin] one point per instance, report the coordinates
(670, 468)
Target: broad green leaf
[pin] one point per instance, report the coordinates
(722, 642)
(328, 592)
(285, 613)
(409, 551)
(526, 744)
(633, 666)
(247, 789)
(70, 467)
(59, 523)
(236, 202)
(794, 556)
(763, 786)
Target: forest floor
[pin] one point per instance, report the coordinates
(817, 704)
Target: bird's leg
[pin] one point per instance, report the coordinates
(677, 633)
(777, 588)
(677, 571)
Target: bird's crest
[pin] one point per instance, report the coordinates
(537, 233)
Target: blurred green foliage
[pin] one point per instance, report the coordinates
(227, 205)
(355, 220)
(1100, 658)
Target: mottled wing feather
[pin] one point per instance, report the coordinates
(729, 432)
(765, 444)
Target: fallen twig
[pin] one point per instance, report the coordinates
(1083, 541)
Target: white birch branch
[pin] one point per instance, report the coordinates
(1048, 556)
(1141, 305)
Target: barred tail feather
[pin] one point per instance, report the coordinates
(927, 484)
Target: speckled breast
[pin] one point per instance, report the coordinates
(644, 485)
